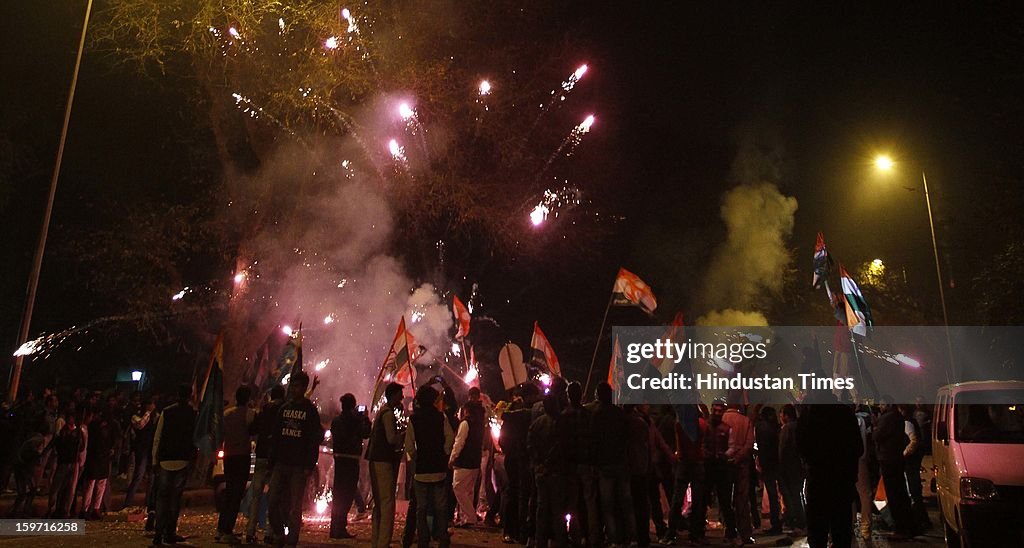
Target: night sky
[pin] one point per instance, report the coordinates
(692, 99)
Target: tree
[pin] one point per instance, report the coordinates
(384, 102)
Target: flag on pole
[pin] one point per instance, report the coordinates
(822, 263)
(858, 315)
(615, 370)
(543, 354)
(397, 366)
(462, 317)
(630, 290)
(289, 361)
(209, 429)
(675, 333)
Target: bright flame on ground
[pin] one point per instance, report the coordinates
(495, 429)
(485, 87)
(539, 214)
(405, 111)
(471, 375)
(331, 43)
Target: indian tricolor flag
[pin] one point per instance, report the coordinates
(462, 317)
(822, 263)
(858, 315)
(397, 365)
(630, 290)
(543, 354)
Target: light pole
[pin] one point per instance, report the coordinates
(884, 163)
(37, 261)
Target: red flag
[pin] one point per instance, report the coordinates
(630, 290)
(675, 332)
(615, 372)
(543, 353)
(462, 317)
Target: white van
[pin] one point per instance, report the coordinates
(978, 456)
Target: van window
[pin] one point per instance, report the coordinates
(984, 417)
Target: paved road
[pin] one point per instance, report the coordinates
(124, 530)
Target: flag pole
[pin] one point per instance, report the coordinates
(465, 357)
(597, 344)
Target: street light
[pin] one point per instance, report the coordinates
(885, 163)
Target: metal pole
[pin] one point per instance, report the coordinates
(37, 261)
(597, 345)
(938, 275)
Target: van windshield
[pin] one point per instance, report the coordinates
(985, 417)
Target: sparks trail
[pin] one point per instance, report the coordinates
(44, 345)
(570, 142)
(552, 202)
(413, 126)
(256, 112)
(560, 93)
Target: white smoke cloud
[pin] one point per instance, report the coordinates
(748, 267)
(326, 261)
(730, 318)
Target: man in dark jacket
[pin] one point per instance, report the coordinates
(428, 444)
(384, 451)
(829, 441)
(173, 452)
(609, 421)
(639, 450)
(515, 498)
(890, 441)
(549, 454)
(297, 437)
(791, 471)
(766, 432)
(348, 430)
(263, 429)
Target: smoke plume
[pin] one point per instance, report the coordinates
(326, 260)
(748, 267)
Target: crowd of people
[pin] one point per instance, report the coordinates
(542, 467)
(563, 472)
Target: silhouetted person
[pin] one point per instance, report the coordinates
(829, 441)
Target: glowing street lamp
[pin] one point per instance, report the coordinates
(885, 163)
